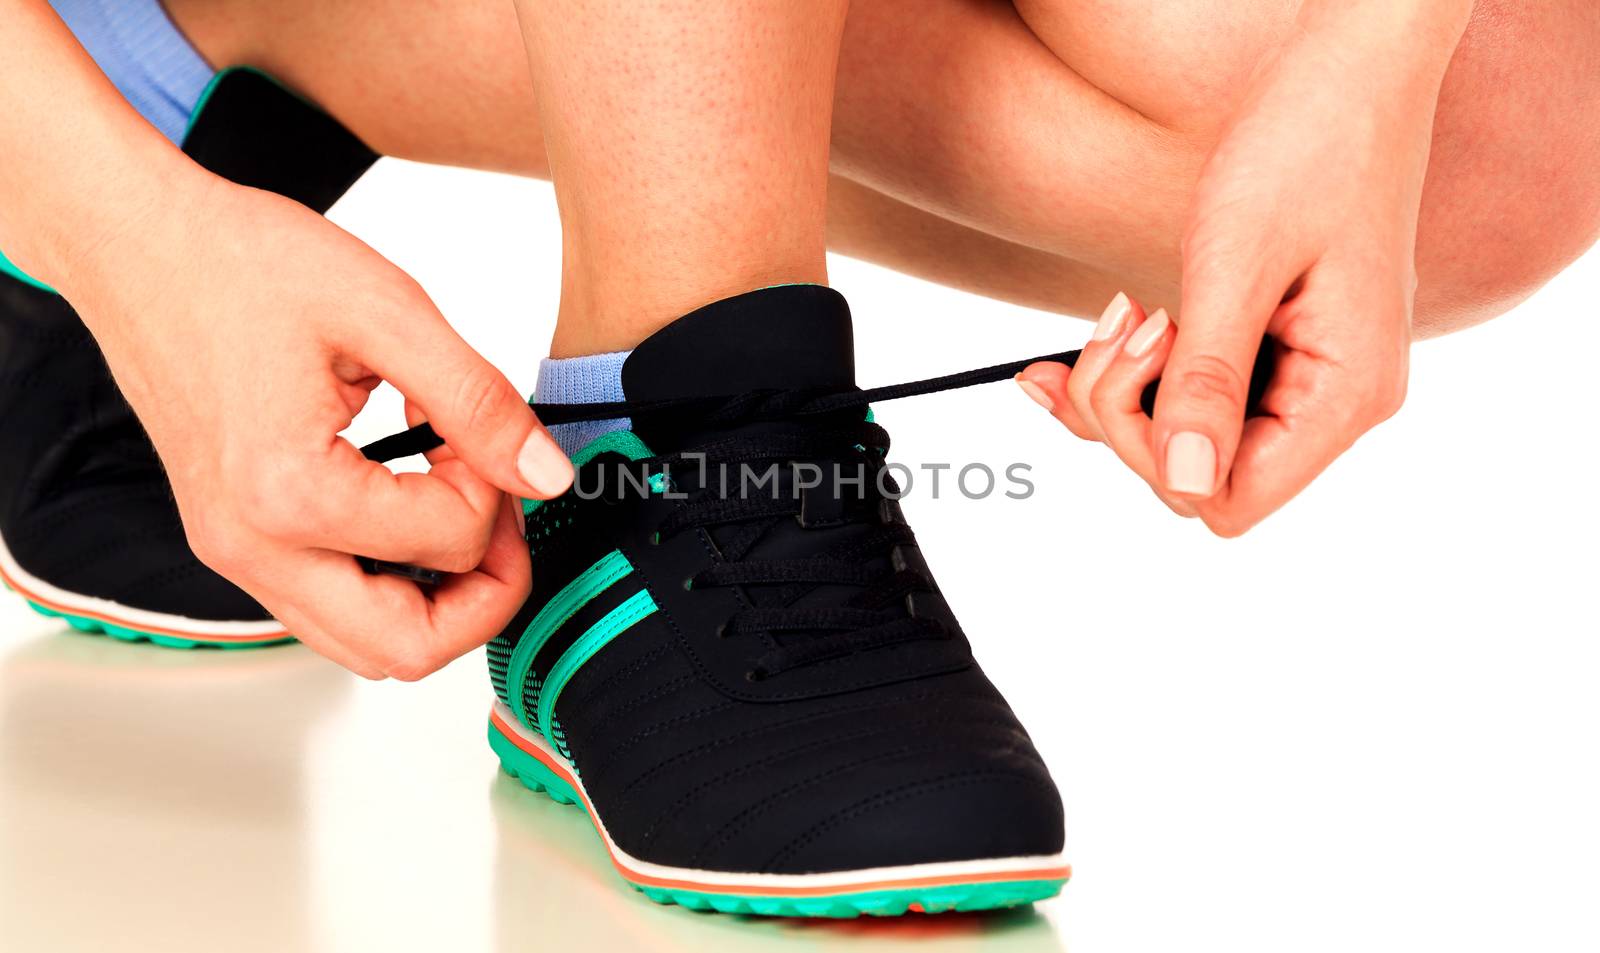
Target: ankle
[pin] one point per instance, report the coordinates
(603, 320)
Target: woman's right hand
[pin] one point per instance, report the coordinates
(247, 331)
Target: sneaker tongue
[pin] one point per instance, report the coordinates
(788, 337)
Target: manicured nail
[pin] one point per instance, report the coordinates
(1036, 392)
(1191, 464)
(543, 465)
(1113, 318)
(1149, 333)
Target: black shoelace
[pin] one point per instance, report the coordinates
(421, 439)
(878, 613)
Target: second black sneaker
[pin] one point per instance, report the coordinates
(89, 531)
(737, 661)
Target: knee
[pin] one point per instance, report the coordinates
(1480, 258)
(1513, 190)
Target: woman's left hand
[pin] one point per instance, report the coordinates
(1303, 227)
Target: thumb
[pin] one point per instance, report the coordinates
(474, 408)
(1201, 405)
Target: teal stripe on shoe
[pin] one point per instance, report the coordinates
(619, 620)
(563, 606)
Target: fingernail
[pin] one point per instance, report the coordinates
(1036, 392)
(1191, 464)
(1149, 333)
(1113, 318)
(522, 518)
(543, 465)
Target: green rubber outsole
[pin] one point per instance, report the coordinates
(124, 634)
(960, 898)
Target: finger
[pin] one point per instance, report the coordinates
(1116, 395)
(507, 559)
(470, 404)
(337, 500)
(415, 418)
(324, 644)
(477, 605)
(442, 454)
(1231, 288)
(1045, 384)
(270, 577)
(1277, 458)
(1118, 321)
(383, 626)
(1118, 401)
(1181, 507)
(373, 625)
(1320, 405)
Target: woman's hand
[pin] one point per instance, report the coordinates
(247, 332)
(1303, 227)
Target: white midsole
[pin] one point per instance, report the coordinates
(35, 588)
(976, 869)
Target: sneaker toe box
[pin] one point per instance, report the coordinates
(914, 783)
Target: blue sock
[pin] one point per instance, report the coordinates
(146, 58)
(592, 379)
(144, 55)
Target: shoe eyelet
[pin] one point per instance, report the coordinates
(655, 538)
(755, 675)
(722, 630)
(688, 584)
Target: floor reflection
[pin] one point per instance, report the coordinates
(156, 797)
(269, 801)
(555, 889)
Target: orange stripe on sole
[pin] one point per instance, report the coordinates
(55, 606)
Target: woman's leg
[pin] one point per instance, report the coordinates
(688, 143)
(1079, 127)
(395, 75)
(970, 151)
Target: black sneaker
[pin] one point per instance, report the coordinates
(89, 531)
(761, 698)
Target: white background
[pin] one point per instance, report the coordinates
(1369, 724)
